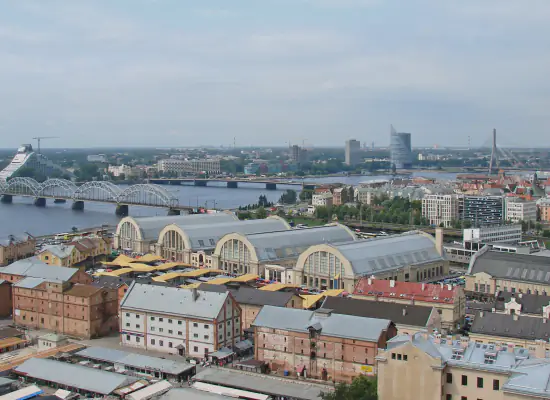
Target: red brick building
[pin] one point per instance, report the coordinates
(319, 344)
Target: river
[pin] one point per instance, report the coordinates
(22, 216)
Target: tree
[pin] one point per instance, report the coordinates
(361, 388)
(263, 202)
(393, 169)
(261, 213)
(74, 229)
(288, 197)
(306, 195)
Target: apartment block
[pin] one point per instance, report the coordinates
(518, 210)
(319, 344)
(544, 209)
(186, 322)
(483, 210)
(322, 199)
(82, 311)
(448, 300)
(13, 248)
(77, 253)
(435, 368)
(440, 209)
(182, 167)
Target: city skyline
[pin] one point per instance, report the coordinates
(166, 73)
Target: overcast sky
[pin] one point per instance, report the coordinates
(182, 72)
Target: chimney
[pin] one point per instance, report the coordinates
(404, 311)
(493, 310)
(392, 283)
(516, 317)
(194, 294)
(520, 295)
(441, 284)
(481, 314)
(540, 349)
(423, 286)
(449, 286)
(369, 281)
(439, 240)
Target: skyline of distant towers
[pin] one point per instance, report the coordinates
(400, 149)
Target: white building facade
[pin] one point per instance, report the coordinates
(185, 322)
(182, 167)
(440, 209)
(322, 199)
(501, 233)
(518, 210)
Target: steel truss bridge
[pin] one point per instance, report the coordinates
(148, 195)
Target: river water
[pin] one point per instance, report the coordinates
(22, 216)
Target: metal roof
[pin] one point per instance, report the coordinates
(531, 377)
(513, 326)
(73, 375)
(336, 325)
(173, 301)
(262, 384)
(206, 237)
(31, 267)
(151, 226)
(247, 295)
(381, 254)
(29, 283)
(134, 360)
(530, 303)
(190, 394)
(13, 239)
(515, 267)
(59, 250)
(291, 243)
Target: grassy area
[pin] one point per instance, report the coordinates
(306, 221)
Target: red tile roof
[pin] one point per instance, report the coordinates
(433, 293)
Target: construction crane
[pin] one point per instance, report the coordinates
(39, 138)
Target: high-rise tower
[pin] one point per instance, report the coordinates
(494, 154)
(400, 149)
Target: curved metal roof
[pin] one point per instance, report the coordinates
(291, 243)
(388, 253)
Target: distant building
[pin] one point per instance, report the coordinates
(353, 152)
(75, 254)
(322, 199)
(16, 247)
(483, 210)
(97, 158)
(319, 344)
(365, 195)
(186, 322)
(400, 149)
(518, 210)
(441, 209)
(121, 170)
(544, 209)
(438, 367)
(500, 233)
(298, 154)
(184, 167)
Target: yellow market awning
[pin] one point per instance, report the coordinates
(245, 278)
(274, 287)
(137, 267)
(148, 258)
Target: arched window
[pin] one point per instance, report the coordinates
(128, 235)
(172, 244)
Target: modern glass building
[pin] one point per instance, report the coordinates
(400, 149)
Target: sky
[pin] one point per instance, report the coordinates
(273, 72)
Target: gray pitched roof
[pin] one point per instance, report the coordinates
(290, 244)
(377, 255)
(134, 360)
(513, 326)
(151, 226)
(247, 295)
(32, 267)
(404, 314)
(531, 377)
(29, 283)
(336, 325)
(13, 239)
(518, 267)
(530, 303)
(206, 237)
(173, 301)
(72, 375)
(59, 250)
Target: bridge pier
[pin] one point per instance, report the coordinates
(271, 186)
(40, 202)
(78, 206)
(306, 186)
(122, 210)
(232, 185)
(200, 182)
(7, 198)
(173, 211)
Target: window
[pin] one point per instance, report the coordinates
(170, 344)
(128, 338)
(196, 335)
(161, 329)
(405, 357)
(399, 357)
(195, 325)
(127, 314)
(196, 349)
(180, 322)
(393, 356)
(137, 315)
(152, 341)
(463, 398)
(161, 342)
(228, 323)
(221, 337)
(138, 326)
(449, 397)
(201, 243)
(180, 333)
(206, 337)
(480, 383)
(212, 242)
(138, 339)
(152, 329)
(152, 318)
(169, 321)
(464, 380)
(161, 319)
(127, 324)
(449, 378)
(496, 384)
(206, 326)
(170, 331)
